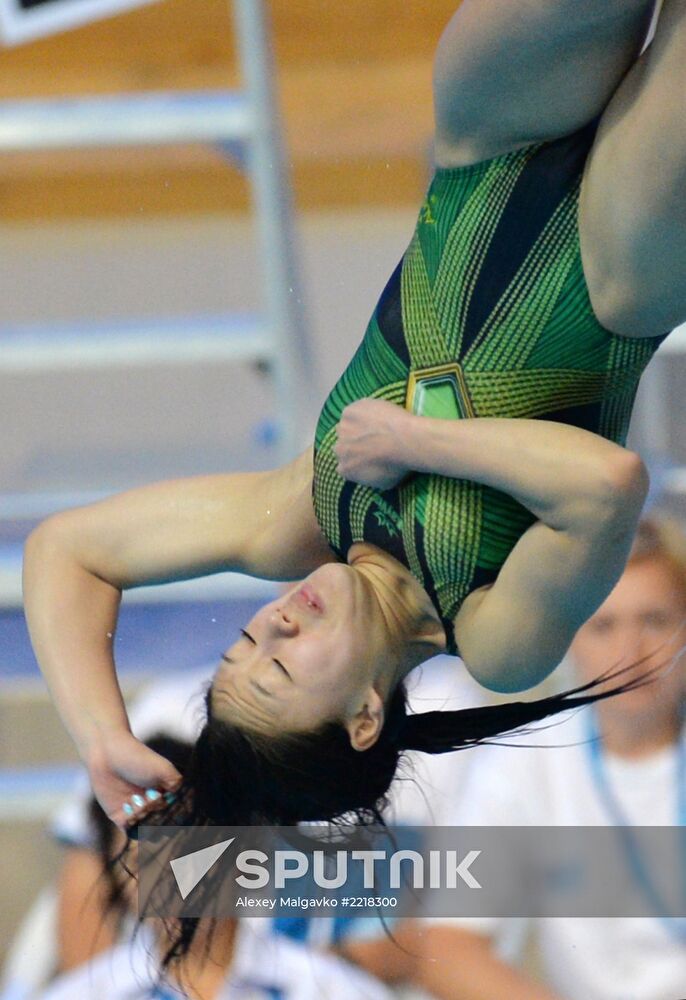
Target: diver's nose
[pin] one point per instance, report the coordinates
(283, 622)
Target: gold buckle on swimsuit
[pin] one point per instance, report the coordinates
(440, 391)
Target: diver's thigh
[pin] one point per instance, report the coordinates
(633, 209)
(511, 72)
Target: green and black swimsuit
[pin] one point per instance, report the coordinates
(487, 315)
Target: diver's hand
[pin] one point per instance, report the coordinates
(368, 447)
(120, 767)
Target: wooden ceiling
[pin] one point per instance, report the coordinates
(355, 89)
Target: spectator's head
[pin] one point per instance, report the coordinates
(643, 622)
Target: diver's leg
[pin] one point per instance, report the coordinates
(512, 72)
(633, 208)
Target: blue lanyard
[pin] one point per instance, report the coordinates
(675, 926)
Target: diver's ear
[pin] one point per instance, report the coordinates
(366, 725)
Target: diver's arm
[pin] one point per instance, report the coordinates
(71, 613)
(76, 564)
(586, 492)
(566, 476)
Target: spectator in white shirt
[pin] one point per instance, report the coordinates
(76, 930)
(635, 774)
(228, 959)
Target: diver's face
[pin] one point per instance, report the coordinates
(643, 619)
(303, 659)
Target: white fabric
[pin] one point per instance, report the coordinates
(427, 788)
(264, 966)
(33, 955)
(583, 959)
(173, 706)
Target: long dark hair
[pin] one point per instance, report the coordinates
(237, 777)
(240, 778)
(115, 868)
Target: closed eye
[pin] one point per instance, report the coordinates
(283, 669)
(277, 662)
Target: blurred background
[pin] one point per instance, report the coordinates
(109, 248)
(129, 241)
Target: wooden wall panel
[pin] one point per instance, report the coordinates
(354, 82)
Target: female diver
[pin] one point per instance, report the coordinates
(468, 488)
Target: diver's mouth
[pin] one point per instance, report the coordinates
(308, 597)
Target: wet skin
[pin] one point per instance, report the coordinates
(296, 661)
(330, 648)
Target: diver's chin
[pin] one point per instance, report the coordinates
(329, 584)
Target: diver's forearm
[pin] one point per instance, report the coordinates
(560, 473)
(71, 616)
